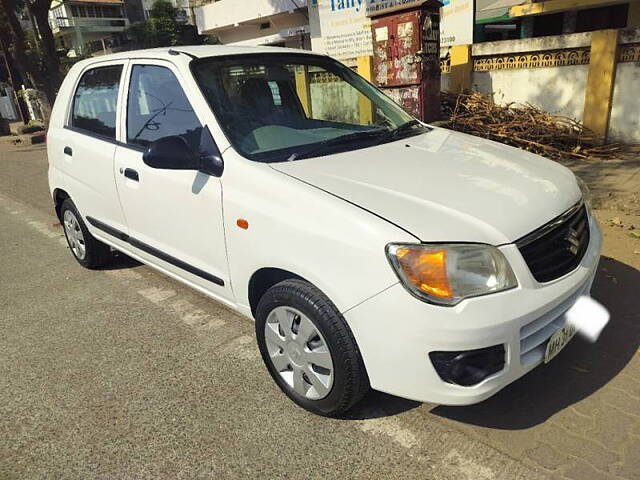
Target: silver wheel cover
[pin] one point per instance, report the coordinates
(74, 235)
(299, 352)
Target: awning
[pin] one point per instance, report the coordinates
(275, 38)
(494, 11)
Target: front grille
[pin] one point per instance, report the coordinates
(557, 248)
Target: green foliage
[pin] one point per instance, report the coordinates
(160, 30)
(162, 9)
(35, 55)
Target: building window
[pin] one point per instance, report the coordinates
(602, 18)
(74, 11)
(545, 25)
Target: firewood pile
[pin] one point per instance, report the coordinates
(527, 127)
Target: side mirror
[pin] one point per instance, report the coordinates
(174, 153)
(171, 153)
(210, 156)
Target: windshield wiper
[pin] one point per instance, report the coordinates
(398, 132)
(383, 134)
(317, 147)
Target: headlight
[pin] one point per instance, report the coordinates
(445, 274)
(586, 193)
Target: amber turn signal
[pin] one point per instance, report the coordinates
(447, 273)
(427, 270)
(242, 223)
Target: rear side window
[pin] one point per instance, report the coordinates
(96, 100)
(158, 107)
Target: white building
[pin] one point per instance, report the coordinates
(282, 23)
(93, 26)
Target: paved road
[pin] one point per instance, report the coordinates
(124, 373)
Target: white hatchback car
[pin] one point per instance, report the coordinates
(371, 249)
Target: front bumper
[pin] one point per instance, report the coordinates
(395, 331)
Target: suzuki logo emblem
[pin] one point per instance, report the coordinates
(573, 241)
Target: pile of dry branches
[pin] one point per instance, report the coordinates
(527, 127)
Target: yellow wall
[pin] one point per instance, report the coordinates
(303, 88)
(602, 71)
(365, 69)
(461, 68)
(555, 6)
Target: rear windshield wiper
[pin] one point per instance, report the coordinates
(318, 147)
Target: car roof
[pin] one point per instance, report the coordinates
(194, 51)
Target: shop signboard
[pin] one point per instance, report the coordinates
(456, 22)
(345, 28)
(456, 17)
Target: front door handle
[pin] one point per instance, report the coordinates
(132, 174)
(68, 151)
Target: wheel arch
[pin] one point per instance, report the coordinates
(59, 196)
(265, 278)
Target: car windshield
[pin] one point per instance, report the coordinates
(278, 107)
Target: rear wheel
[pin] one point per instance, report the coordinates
(309, 349)
(89, 252)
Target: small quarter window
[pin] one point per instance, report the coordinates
(96, 100)
(158, 107)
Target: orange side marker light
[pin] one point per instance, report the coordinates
(242, 223)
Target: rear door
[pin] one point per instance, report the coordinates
(88, 143)
(174, 216)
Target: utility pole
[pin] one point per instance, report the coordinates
(34, 24)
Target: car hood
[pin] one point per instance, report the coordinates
(446, 186)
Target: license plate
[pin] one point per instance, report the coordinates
(558, 341)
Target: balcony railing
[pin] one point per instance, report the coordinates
(67, 22)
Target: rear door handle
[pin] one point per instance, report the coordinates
(68, 151)
(132, 174)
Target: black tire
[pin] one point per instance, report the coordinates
(97, 254)
(350, 381)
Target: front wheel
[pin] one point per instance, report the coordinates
(309, 350)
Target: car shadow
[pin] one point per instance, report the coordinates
(120, 261)
(580, 370)
(378, 405)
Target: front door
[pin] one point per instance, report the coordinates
(174, 216)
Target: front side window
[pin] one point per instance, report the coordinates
(158, 107)
(96, 100)
(280, 107)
